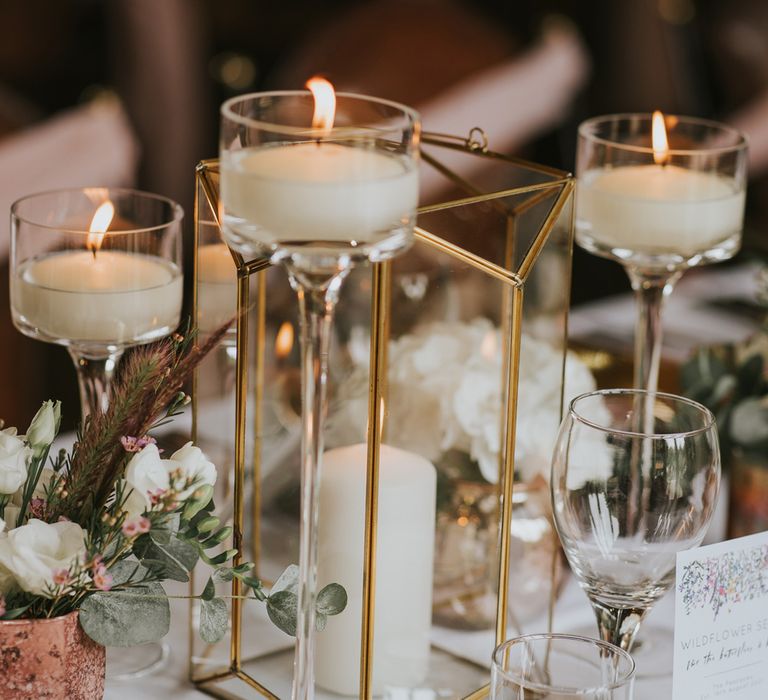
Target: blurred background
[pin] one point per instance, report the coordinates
(127, 92)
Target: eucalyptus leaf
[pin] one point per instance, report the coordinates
(331, 600)
(214, 619)
(199, 500)
(126, 570)
(288, 580)
(127, 617)
(281, 608)
(207, 524)
(209, 592)
(217, 538)
(223, 575)
(321, 620)
(173, 560)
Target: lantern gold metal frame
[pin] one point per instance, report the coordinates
(549, 190)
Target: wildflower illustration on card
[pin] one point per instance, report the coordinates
(721, 582)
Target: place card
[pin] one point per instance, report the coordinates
(721, 621)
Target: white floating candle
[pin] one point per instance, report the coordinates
(316, 192)
(404, 561)
(110, 298)
(658, 209)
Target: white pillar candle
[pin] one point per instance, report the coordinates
(316, 191)
(110, 298)
(658, 209)
(216, 286)
(404, 560)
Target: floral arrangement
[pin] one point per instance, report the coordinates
(449, 374)
(732, 381)
(99, 528)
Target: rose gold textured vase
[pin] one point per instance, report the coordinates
(51, 659)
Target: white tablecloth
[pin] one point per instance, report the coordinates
(572, 614)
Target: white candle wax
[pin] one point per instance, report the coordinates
(658, 209)
(316, 191)
(404, 561)
(216, 286)
(112, 298)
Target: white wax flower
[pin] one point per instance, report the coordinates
(33, 552)
(146, 473)
(14, 457)
(445, 393)
(194, 465)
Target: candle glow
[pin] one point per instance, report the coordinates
(659, 139)
(99, 226)
(325, 104)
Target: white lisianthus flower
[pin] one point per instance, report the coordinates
(193, 465)
(44, 426)
(14, 457)
(33, 552)
(11, 514)
(146, 474)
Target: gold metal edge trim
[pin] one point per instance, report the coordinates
(479, 693)
(454, 251)
(458, 143)
(261, 313)
(241, 400)
(382, 274)
(195, 302)
(499, 194)
(509, 475)
(544, 230)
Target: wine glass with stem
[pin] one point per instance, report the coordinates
(659, 195)
(317, 182)
(635, 478)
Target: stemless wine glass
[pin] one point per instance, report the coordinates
(316, 192)
(635, 478)
(658, 195)
(97, 270)
(561, 666)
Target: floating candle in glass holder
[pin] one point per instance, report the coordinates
(96, 270)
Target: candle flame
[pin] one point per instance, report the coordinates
(659, 138)
(325, 103)
(284, 340)
(99, 225)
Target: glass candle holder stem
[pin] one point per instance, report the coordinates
(318, 295)
(651, 290)
(94, 379)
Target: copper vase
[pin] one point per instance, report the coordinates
(49, 658)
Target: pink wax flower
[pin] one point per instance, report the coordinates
(102, 579)
(61, 577)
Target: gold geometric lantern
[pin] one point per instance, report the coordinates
(453, 353)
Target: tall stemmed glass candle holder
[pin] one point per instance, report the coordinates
(317, 182)
(659, 195)
(97, 270)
